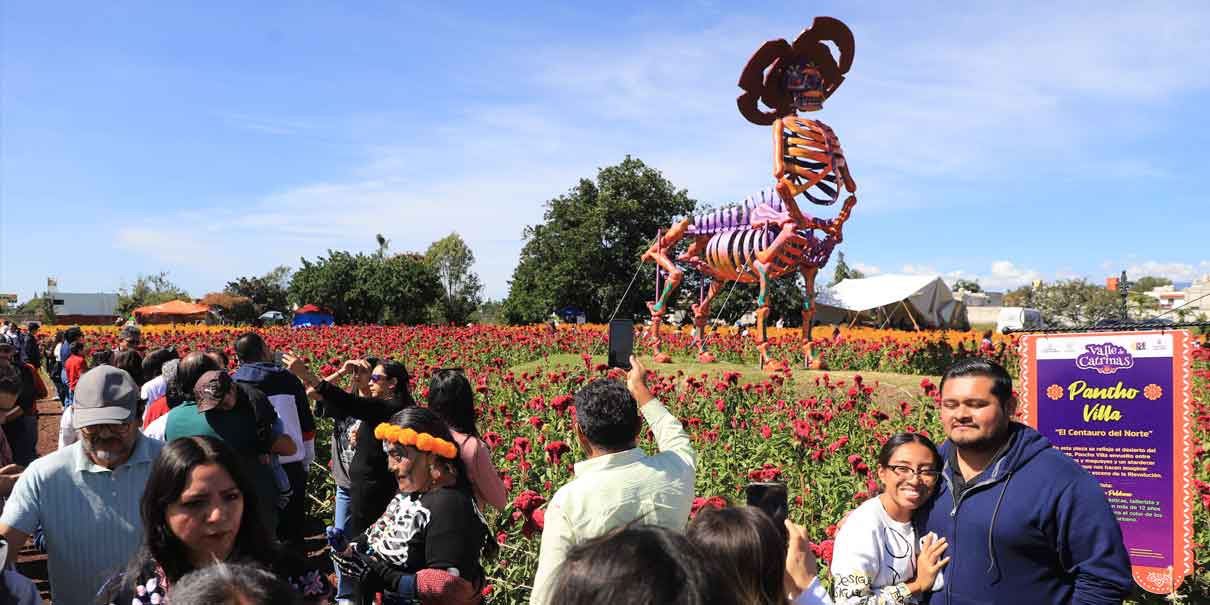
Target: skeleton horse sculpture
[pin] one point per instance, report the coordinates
(768, 236)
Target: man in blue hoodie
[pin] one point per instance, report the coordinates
(289, 398)
(1025, 523)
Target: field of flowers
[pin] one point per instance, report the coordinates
(817, 432)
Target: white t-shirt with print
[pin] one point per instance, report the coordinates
(874, 557)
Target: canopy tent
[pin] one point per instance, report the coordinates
(311, 315)
(171, 312)
(901, 301)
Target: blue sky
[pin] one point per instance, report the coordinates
(224, 139)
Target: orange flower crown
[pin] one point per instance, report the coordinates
(421, 441)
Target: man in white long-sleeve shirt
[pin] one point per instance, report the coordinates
(618, 483)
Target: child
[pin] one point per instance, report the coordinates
(74, 367)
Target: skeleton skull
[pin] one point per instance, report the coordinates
(805, 84)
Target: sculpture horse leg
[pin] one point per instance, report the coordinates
(762, 312)
(701, 313)
(658, 254)
(808, 315)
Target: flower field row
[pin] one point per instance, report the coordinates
(821, 438)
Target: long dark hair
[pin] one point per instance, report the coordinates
(131, 361)
(748, 549)
(451, 398)
(396, 370)
(168, 479)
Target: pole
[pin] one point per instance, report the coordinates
(1124, 289)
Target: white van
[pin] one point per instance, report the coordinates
(1019, 318)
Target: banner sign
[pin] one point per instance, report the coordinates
(1119, 403)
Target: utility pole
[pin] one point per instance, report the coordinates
(1124, 292)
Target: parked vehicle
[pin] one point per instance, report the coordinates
(1019, 318)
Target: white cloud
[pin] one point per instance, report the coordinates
(867, 269)
(929, 100)
(1175, 271)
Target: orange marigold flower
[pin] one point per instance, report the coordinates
(1153, 391)
(1054, 391)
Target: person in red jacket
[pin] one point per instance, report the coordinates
(75, 366)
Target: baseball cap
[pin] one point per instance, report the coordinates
(211, 388)
(104, 395)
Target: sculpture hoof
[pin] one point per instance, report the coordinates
(663, 358)
(705, 358)
(773, 366)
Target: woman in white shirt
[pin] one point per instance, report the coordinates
(878, 559)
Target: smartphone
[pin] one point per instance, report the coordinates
(621, 343)
(277, 355)
(771, 498)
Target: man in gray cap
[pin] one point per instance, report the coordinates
(86, 495)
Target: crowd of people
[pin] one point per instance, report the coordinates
(183, 480)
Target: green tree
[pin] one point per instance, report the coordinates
(1019, 297)
(970, 285)
(149, 290)
(361, 288)
(587, 248)
(1148, 283)
(407, 286)
(461, 292)
(267, 292)
(844, 271)
(489, 312)
(1075, 302)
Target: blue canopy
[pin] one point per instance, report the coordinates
(307, 320)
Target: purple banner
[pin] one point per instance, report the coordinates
(1107, 401)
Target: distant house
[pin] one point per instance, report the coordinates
(85, 308)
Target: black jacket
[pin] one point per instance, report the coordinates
(373, 485)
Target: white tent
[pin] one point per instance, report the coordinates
(903, 301)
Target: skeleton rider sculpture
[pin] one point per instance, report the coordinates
(768, 236)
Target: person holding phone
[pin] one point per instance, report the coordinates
(618, 483)
(877, 558)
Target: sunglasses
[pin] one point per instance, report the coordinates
(378, 377)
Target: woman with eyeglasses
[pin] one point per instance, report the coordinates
(372, 486)
(878, 559)
(451, 398)
(427, 546)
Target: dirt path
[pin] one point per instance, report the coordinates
(32, 563)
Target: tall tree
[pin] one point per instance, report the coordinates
(361, 288)
(587, 248)
(1148, 283)
(1075, 302)
(267, 292)
(970, 285)
(844, 271)
(461, 293)
(149, 290)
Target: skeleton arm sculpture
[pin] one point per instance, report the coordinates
(768, 236)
